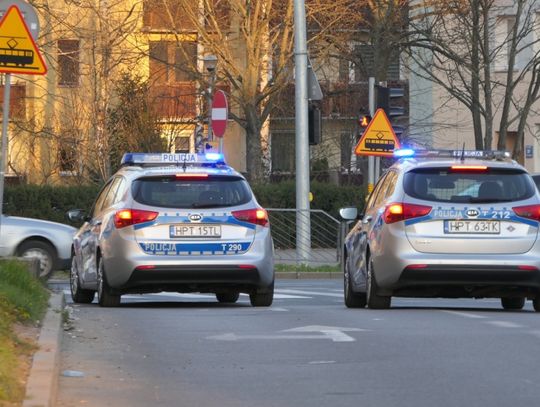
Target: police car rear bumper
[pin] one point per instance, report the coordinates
(193, 278)
(468, 281)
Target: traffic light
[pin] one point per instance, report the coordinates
(314, 124)
(385, 100)
(364, 121)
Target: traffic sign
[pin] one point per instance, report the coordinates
(28, 12)
(378, 138)
(220, 113)
(18, 51)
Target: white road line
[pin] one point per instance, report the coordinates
(316, 293)
(464, 314)
(190, 297)
(504, 324)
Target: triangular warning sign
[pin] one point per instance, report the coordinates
(18, 51)
(378, 138)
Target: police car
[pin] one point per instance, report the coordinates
(446, 224)
(173, 222)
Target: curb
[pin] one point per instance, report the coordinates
(42, 382)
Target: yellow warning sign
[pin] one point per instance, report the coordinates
(18, 51)
(378, 138)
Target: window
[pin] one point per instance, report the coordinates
(363, 65)
(503, 38)
(171, 192)
(172, 62)
(493, 185)
(68, 62)
(181, 145)
(67, 154)
(283, 145)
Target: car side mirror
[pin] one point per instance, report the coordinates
(349, 213)
(76, 215)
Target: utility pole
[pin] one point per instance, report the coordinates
(303, 222)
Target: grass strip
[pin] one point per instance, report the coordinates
(306, 268)
(23, 299)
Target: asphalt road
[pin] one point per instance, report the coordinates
(306, 350)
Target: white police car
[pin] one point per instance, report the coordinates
(446, 224)
(178, 223)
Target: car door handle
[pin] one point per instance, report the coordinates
(367, 219)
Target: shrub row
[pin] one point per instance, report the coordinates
(52, 202)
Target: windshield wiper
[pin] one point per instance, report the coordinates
(483, 200)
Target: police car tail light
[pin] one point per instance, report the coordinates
(396, 212)
(528, 211)
(128, 217)
(257, 216)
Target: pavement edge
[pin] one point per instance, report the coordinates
(42, 384)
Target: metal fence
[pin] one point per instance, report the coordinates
(326, 236)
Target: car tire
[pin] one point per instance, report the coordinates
(352, 299)
(105, 296)
(229, 298)
(78, 294)
(513, 302)
(536, 304)
(262, 298)
(43, 251)
(374, 300)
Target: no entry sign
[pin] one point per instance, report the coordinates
(220, 113)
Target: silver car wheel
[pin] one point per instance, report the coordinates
(45, 260)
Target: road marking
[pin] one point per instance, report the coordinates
(335, 334)
(316, 293)
(464, 314)
(504, 324)
(322, 362)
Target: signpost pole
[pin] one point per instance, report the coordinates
(5, 122)
(371, 159)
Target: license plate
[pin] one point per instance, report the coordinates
(195, 230)
(488, 227)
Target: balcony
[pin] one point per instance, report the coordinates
(176, 102)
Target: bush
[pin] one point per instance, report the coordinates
(328, 197)
(52, 202)
(48, 202)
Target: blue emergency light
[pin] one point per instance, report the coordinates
(404, 153)
(145, 159)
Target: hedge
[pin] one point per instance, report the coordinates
(52, 202)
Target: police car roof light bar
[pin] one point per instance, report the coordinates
(182, 159)
(458, 154)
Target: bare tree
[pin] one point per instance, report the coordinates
(469, 44)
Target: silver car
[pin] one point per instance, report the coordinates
(446, 224)
(178, 223)
(50, 242)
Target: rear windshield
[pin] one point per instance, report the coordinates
(445, 185)
(211, 192)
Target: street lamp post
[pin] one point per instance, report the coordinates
(210, 62)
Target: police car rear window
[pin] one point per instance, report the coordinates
(172, 192)
(447, 185)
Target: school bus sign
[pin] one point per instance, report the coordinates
(379, 138)
(18, 51)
